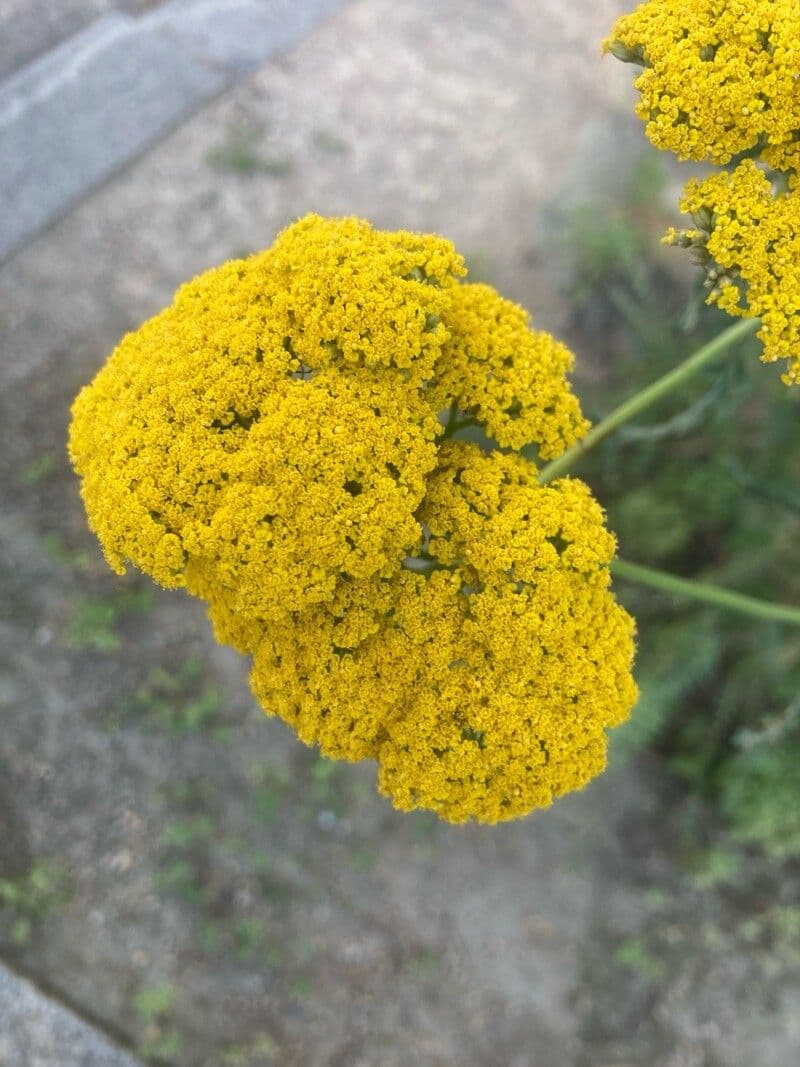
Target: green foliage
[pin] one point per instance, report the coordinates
(191, 864)
(425, 964)
(239, 154)
(695, 644)
(302, 987)
(187, 842)
(254, 1054)
(329, 785)
(94, 623)
(715, 866)
(161, 1042)
(270, 793)
(635, 954)
(706, 486)
(364, 858)
(39, 470)
(154, 1002)
(760, 792)
(185, 834)
(165, 1047)
(178, 701)
(248, 937)
(28, 899)
(60, 553)
(329, 143)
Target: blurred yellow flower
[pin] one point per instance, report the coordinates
(747, 236)
(720, 77)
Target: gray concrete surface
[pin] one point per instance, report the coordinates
(29, 28)
(35, 1031)
(73, 117)
(81, 111)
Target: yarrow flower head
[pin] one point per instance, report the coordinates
(747, 237)
(277, 443)
(720, 77)
(482, 683)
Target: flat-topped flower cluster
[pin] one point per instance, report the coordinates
(749, 241)
(274, 443)
(721, 84)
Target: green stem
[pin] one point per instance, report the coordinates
(632, 407)
(454, 425)
(711, 594)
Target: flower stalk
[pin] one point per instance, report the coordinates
(644, 399)
(709, 594)
(635, 572)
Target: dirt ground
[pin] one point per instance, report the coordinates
(198, 882)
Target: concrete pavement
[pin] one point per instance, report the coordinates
(77, 114)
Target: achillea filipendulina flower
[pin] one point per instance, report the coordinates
(270, 423)
(484, 687)
(720, 76)
(747, 236)
(509, 377)
(275, 443)
(538, 665)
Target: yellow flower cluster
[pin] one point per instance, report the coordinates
(720, 76)
(721, 80)
(483, 686)
(534, 655)
(748, 238)
(271, 425)
(275, 443)
(507, 376)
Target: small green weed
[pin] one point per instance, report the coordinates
(187, 843)
(328, 783)
(364, 858)
(39, 469)
(329, 143)
(635, 954)
(254, 1054)
(178, 701)
(94, 623)
(155, 1002)
(302, 986)
(187, 833)
(239, 154)
(270, 793)
(26, 900)
(425, 963)
(58, 551)
(161, 1042)
(248, 938)
(715, 866)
